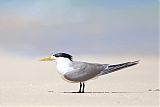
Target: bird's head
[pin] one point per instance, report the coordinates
(57, 56)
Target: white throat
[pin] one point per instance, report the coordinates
(63, 65)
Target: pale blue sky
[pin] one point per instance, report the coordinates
(39, 27)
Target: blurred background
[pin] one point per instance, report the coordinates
(40, 27)
(101, 31)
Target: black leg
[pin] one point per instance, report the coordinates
(80, 87)
(83, 87)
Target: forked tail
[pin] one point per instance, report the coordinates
(112, 68)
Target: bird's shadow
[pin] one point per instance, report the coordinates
(103, 92)
(100, 92)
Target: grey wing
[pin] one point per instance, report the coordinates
(116, 67)
(84, 71)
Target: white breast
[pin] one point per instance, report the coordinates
(64, 65)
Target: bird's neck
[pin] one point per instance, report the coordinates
(64, 65)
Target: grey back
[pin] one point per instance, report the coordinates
(84, 71)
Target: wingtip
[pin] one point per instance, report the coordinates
(137, 61)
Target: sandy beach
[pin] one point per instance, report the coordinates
(29, 82)
(95, 31)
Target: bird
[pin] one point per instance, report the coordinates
(80, 72)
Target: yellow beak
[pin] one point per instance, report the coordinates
(51, 58)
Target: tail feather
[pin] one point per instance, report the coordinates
(112, 68)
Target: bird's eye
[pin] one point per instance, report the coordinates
(55, 55)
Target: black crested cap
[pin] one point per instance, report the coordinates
(63, 55)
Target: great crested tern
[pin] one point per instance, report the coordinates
(79, 72)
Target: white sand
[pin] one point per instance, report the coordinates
(26, 82)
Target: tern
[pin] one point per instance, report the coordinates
(79, 72)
